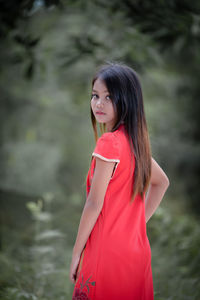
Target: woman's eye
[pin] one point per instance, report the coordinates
(94, 96)
(108, 97)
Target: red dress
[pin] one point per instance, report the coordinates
(116, 261)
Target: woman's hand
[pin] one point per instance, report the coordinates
(73, 268)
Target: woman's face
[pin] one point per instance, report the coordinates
(102, 105)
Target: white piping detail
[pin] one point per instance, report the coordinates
(108, 159)
(104, 158)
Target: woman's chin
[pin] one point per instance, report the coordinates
(100, 119)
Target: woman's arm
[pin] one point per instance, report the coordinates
(94, 203)
(159, 183)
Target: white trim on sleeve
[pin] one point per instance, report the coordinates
(108, 159)
(104, 158)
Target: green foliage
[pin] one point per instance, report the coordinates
(40, 271)
(175, 244)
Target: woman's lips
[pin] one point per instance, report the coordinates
(100, 113)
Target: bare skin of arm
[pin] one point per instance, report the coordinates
(92, 208)
(159, 183)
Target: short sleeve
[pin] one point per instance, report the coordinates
(107, 148)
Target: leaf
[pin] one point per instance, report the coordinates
(33, 42)
(42, 249)
(29, 70)
(49, 234)
(44, 216)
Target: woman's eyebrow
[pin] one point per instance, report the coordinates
(97, 91)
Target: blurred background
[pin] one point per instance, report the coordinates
(49, 51)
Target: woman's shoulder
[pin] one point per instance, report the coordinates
(108, 139)
(111, 144)
(108, 147)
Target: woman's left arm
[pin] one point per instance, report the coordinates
(92, 208)
(159, 183)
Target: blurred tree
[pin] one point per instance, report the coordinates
(12, 14)
(140, 28)
(12, 11)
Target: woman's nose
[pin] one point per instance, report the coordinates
(99, 102)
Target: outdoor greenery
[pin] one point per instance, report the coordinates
(49, 52)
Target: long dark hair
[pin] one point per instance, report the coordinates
(125, 90)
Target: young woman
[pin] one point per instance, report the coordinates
(112, 257)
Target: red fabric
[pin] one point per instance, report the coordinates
(117, 257)
(108, 146)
